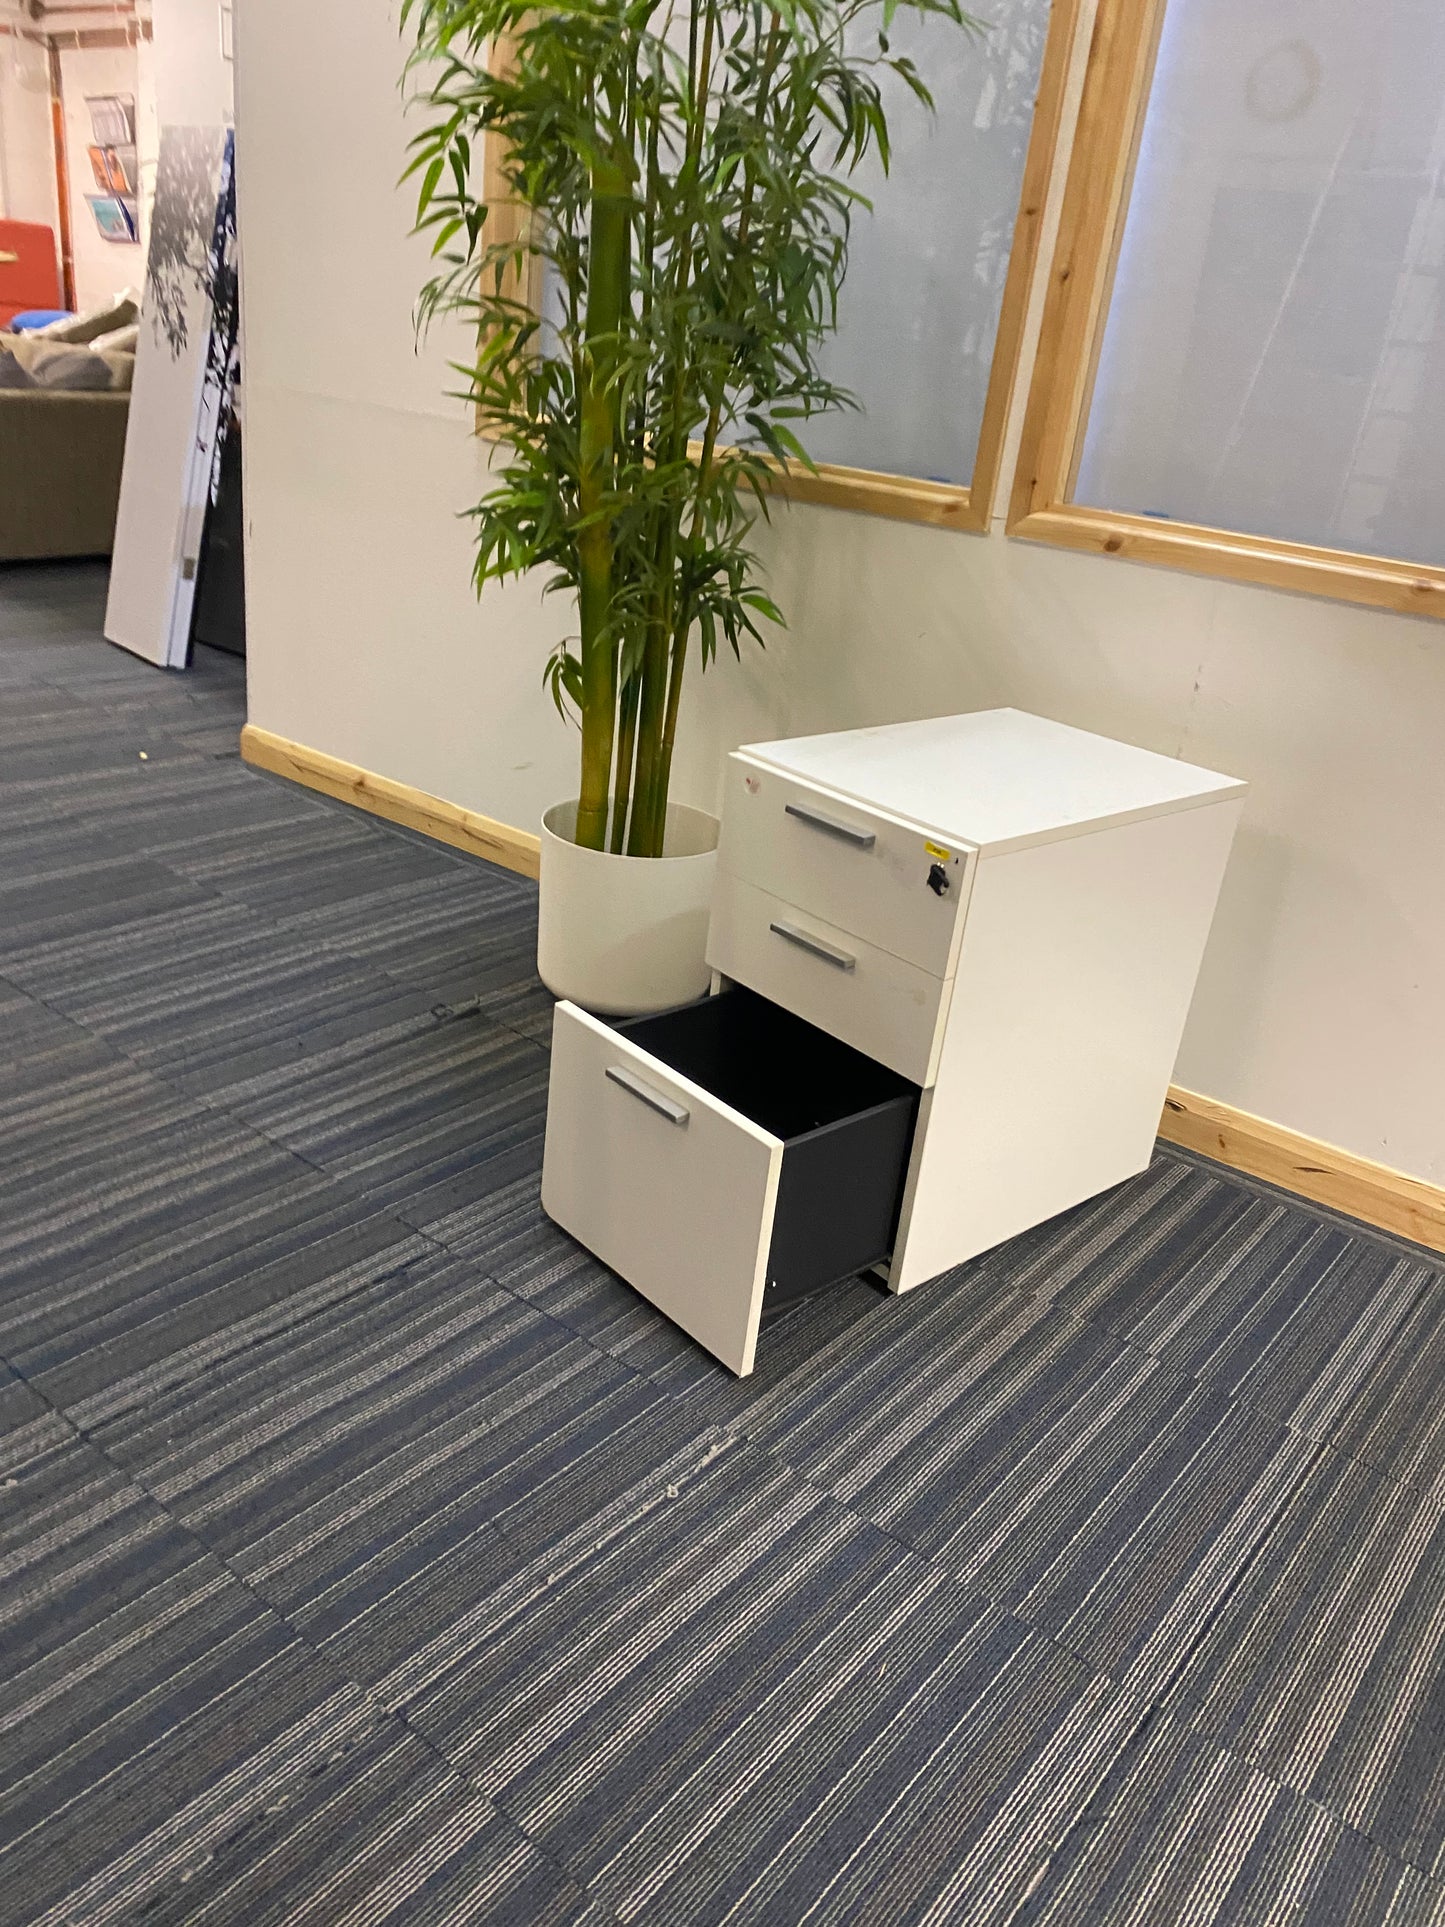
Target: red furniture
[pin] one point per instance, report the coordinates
(29, 273)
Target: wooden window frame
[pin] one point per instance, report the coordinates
(508, 221)
(906, 498)
(950, 505)
(1117, 84)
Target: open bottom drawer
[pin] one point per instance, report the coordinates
(723, 1157)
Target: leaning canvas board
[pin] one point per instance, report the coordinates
(175, 404)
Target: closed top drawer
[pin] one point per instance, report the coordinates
(883, 879)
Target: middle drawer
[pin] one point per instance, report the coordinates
(888, 1009)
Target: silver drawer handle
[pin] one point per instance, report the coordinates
(829, 952)
(834, 825)
(655, 1100)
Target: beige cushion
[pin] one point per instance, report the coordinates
(126, 340)
(26, 349)
(118, 313)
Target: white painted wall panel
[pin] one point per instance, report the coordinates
(1319, 1004)
(27, 149)
(365, 637)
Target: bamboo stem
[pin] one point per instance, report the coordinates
(643, 841)
(669, 727)
(649, 807)
(622, 774)
(606, 294)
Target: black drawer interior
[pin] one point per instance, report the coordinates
(846, 1123)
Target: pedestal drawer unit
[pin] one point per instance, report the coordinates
(956, 959)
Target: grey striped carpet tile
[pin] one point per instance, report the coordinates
(216, 993)
(174, 1752)
(44, 730)
(1181, 1833)
(465, 945)
(102, 897)
(696, 1715)
(133, 1663)
(41, 750)
(244, 815)
(216, 997)
(113, 1161)
(149, 806)
(1397, 1419)
(245, 1784)
(40, 1051)
(328, 869)
(108, 1339)
(1288, 1315)
(506, 1234)
(155, 809)
(520, 1000)
(422, 1398)
(377, 1829)
(71, 597)
(445, 922)
(1323, 1665)
(425, 1115)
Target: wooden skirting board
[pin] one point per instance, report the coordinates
(1320, 1172)
(397, 802)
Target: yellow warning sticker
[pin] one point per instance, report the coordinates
(937, 849)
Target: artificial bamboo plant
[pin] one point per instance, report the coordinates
(684, 167)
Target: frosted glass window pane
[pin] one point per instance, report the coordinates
(1274, 357)
(919, 311)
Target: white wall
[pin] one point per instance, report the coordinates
(147, 136)
(370, 643)
(193, 82)
(27, 151)
(1320, 1004)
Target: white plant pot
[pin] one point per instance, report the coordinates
(625, 934)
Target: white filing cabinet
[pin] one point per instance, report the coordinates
(966, 948)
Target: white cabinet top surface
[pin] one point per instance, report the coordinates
(998, 779)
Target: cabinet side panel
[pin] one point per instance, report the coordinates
(1078, 964)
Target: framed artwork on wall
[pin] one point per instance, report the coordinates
(184, 378)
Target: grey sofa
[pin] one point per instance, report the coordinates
(64, 404)
(60, 464)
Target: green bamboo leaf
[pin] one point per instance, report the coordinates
(429, 183)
